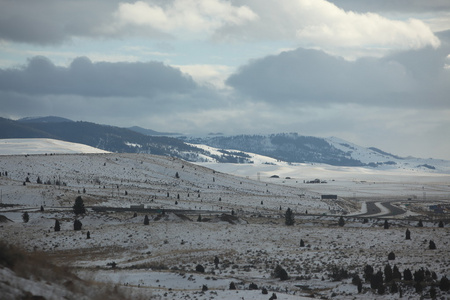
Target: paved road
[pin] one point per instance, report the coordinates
(373, 209)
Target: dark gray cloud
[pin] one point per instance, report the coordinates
(102, 79)
(51, 22)
(312, 77)
(408, 6)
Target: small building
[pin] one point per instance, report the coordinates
(329, 197)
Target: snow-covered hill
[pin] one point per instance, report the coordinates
(159, 260)
(42, 146)
(376, 158)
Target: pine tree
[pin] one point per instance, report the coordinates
(39, 181)
(396, 275)
(302, 243)
(289, 218)
(407, 275)
(368, 272)
(341, 221)
(232, 286)
(199, 219)
(386, 224)
(441, 224)
(420, 224)
(42, 208)
(77, 225)
(432, 245)
(391, 256)
(388, 276)
(88, 235)
(78, 207)
(57, 226)
(444, 284)
(146, 220)
(407, 234)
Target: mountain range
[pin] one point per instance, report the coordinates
(289, 147)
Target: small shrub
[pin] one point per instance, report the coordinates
(253, 286)
(281, 273)
(25, 217)
(200, 268)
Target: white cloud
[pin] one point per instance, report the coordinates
(186, 15)
(321, 24)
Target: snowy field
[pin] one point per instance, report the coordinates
(159, 260)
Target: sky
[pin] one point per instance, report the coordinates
(375, 73)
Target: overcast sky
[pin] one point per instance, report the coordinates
(376, 73)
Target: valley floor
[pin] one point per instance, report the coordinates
(243, 227)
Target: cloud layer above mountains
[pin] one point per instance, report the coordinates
(361, 70)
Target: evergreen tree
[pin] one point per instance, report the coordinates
(407, 234)
(441, 224)
(388, 276)
(281, 273)
(88, 235)
(341, 221)
(146, 220)
(432, 245)
(386, 224)
(25, 217)
(39, 181)
(391, 256)
(199, 219)
(302, 243)
(396, 275)
(420, 224)
(419, 275)
(368, 273)
(42, 208)
(377, 281)
(78, 207)
(232, 286)
(200, 268)
(57, 226)
(289, 218)
(444, 284)
(407, 275)
(77, 225)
